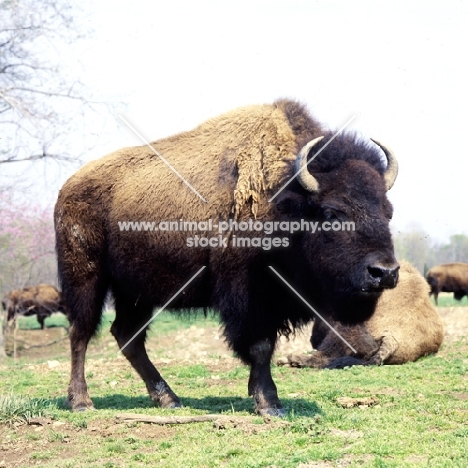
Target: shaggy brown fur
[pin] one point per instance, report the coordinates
(449, 277)
(404, 327)
(237, 162)
(41, 300)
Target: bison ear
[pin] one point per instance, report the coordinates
(291, 203)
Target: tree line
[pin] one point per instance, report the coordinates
(424, 252)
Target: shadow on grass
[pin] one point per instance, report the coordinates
(296, 406)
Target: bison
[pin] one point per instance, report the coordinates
(404, 327)
(41, 300)
(449, 277)
(239, 163)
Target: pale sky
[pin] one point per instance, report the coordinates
(398, 66)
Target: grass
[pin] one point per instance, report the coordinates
(31, 323)
(21, 408)
(164, 323)
(420, 420)
(447, 300)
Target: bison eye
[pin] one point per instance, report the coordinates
(333, 214)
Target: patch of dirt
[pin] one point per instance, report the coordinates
(455, 321)
(246, 425)
(364, 402)
(107, 428)
(37, 343)
(207, 345)
(19, 441)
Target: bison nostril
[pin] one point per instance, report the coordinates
(384, 277)
(376, 272)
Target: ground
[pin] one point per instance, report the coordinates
(49, 349)
(193, 344)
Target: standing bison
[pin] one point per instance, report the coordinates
(449, 277)
(237, 161)
(42, 300)
(404, 327)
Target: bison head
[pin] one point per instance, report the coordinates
(350, 257)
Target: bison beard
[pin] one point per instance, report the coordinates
(237, 161)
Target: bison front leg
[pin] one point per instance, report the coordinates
(388, 346)
(261, 385)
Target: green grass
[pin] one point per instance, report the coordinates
(420, 421)
(447, 300)
(21, 408)
(31, 323)
(164, 323)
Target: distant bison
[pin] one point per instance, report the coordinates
(404, 327)
(41, 300)
(240, 162)
(449, 277)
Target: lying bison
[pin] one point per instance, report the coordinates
(237, 162)
(404, 327)
(450, 277)
(42, 300)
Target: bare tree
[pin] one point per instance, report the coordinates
(416, 246)
(40, 100)
(413, 245)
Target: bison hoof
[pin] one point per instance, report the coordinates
(173, 405)
(272, 412)
(283, 362)
(79, 407)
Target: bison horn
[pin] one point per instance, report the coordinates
(305, 178)
(392, 165)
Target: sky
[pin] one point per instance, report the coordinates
(397, 67)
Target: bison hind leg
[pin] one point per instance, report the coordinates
(459, 294)
(84, 305)
(129, 329)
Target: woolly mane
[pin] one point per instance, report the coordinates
(344, 147)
